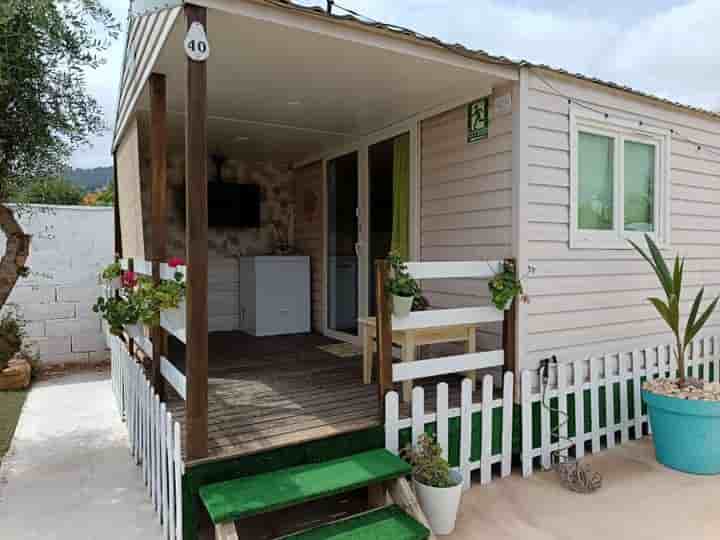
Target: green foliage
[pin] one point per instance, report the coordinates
(50, 191)
(429, 467)
(111, 272)
(139, 300)
(400, 282)
(669, 309)
(505, 286)
(151, 299)
(118, 311)
(12, 334)
(45, 48)
(106, 196)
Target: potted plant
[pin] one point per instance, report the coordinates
(139, 301)
(505, 286)
(111, 278)
(684, 412)
(403, 288)
(437, 487)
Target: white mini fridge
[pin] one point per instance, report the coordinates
(275, 295)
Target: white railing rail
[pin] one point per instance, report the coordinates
(439, 318)
(609, 386)
(155, 438)
(419, 420)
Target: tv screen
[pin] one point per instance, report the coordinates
(233, 205)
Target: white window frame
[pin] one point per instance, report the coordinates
(620, 130)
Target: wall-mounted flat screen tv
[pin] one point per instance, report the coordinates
(233, 205)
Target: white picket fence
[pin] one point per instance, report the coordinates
(155, 441)
(419, 419)
(621, 375)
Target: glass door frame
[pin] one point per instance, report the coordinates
(362, 147)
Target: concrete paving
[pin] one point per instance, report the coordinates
(640, 500)
(68, 474)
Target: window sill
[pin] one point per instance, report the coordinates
(581, 241)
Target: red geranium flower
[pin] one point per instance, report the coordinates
(129, 279)
(174, 262)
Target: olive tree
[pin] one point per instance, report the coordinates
(46, 112)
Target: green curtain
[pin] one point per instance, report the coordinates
(401, 196)
(639, 186)
(595, 181)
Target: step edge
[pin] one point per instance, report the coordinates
(390, 509)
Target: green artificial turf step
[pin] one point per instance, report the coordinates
(388, 523)
(251, 495)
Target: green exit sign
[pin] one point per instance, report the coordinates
(478, 120)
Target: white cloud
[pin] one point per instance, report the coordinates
(666, 50)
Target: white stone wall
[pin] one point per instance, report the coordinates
(70, 245)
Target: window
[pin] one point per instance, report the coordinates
(618, 185)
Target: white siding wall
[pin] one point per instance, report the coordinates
(586, 301)
(466, 203)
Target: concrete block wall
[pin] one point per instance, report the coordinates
(70, 245)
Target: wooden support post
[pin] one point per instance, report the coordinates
(196, 242)
(131, 341)
(509, 343)
(158, 141)
(116, 212)
(383, 332)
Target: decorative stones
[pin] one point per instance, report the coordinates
(695, 391)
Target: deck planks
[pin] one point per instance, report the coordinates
(265, 393)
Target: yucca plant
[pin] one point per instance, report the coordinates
(670, 309)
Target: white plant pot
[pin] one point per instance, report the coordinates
(112, 286)
(440, 504)
(402, 305)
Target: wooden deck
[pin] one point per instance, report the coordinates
(266, 393)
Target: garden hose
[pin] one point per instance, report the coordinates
(574, 474)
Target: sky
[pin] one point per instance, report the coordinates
(665, 47)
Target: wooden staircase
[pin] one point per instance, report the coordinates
(382, 472)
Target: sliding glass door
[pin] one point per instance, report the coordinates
(368, 210)
(342, 240)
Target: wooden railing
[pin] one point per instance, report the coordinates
(438, 318)
(171, 321)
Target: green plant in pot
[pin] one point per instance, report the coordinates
(684, 412)
(118, 312)
(505, 286)
(153, 298)
(403, 288)
(139, 300)
(437, 486)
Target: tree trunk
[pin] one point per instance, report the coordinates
(17, 250)
(12, 265)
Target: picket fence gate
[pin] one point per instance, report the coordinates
(616, 378)
(419, 420)
(155, 438)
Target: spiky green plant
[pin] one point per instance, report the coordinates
(669, 310)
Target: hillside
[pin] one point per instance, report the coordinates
(90, 179)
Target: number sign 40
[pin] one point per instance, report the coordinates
(196, 43)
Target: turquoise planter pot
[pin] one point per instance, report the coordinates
(686, 433)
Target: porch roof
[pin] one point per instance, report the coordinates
(286, 85)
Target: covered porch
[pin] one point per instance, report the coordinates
(283, 93)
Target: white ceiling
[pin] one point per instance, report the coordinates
(294, 93)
